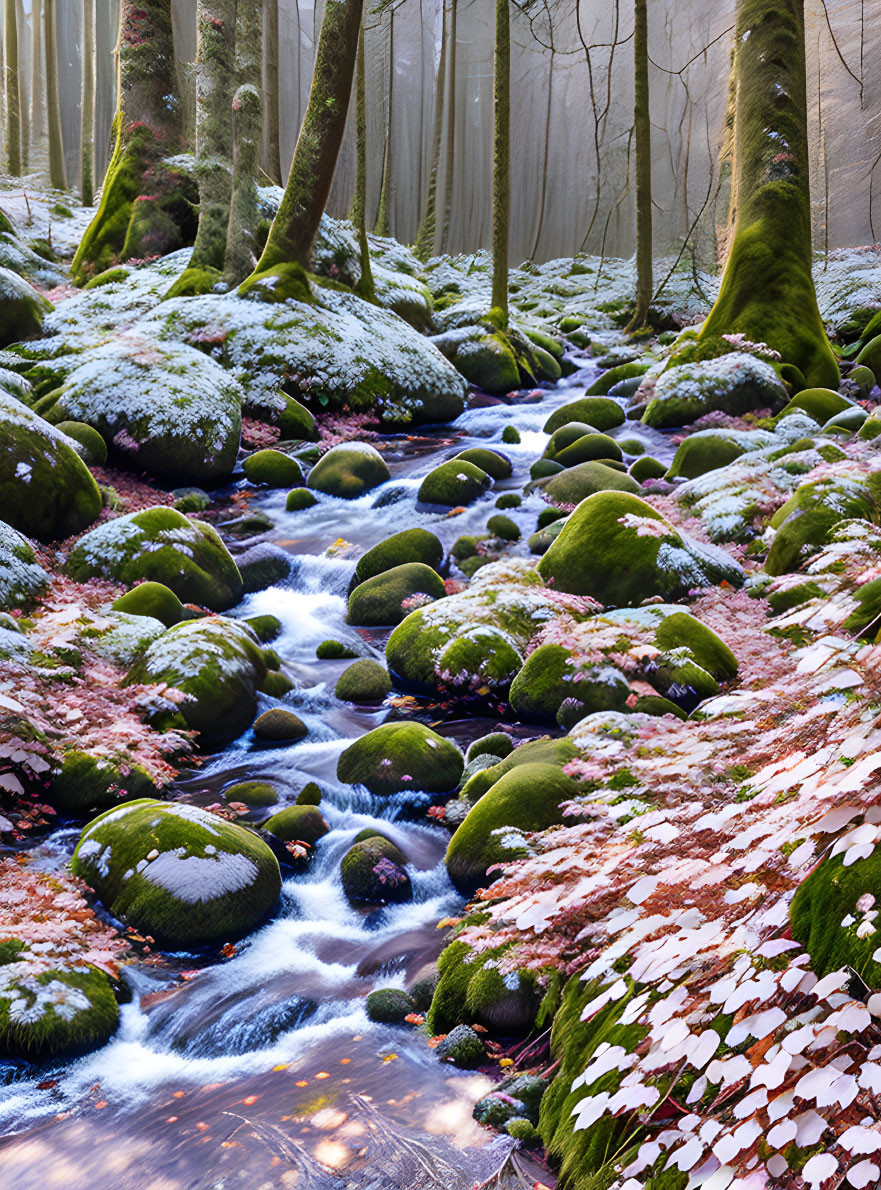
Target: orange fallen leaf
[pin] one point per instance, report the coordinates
(171, 1120)
(322, 1074)
(389, 1058)
(302, 1082)
(250, 1100)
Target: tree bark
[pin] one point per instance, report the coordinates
(501, 162)
(13, 96)
(87, 130)
(270, 151)
(425, 236)
(105, 86)
(365, 287)
(247, 109)
(642, 127)
(38, 111)
(767, 291)
(146, 206)
(450, 156)
(383, 225)
(289, 244)
(23, 87)
(57, 170)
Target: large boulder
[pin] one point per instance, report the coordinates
(164, 546)
(349, 470)
(46, 490)
(388, 597)
(402, 756)
(483, 356)
(173, 411)
(452, 483)
(410, 545)
(23, 308)
(219, 666)
(620, 551)
(178, 873)
(806, 521)
(735, 383)
(22, 579)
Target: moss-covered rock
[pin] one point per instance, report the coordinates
(218, 664)
(151, 599)
(503, 528)
(279, 726)
(410, 545)
(511, 435)
(462, 1047)
(88, 784)
(497, 743)
(453, 483)
(544, 468)
(485, 358)
(645, 468)
(806, 521)
(256, 794)
(389, 1006)
(509, 500)
(850, 419)
(827, 914)
(300, 823)
(298, 499)
(309, 795)
(272, 467)
(390, 596)
(588, 448)
(365, 681)
(550, 676)
(585, 479)
(373, 872)
(702, 452)
(566, 435)
(736, 383)
(349, 470)
(92, 447)
(818, 403)
(266, 627)
(54, 1013)
(481, 659)
(162, 545)
(600, 413)
(619, 550)
(334, 650)
(177, 873)
(22, 579)
(496, 465)
(398, 756)
(527, 798)
(190, 499)
(23, 308)
(544, 750)
(46, 490)
(263, 565)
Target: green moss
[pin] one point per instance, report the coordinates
(527, 798)
(411, 545)
(272, 467)
(504, 528)
(187, 500)
(496, 465)
(334, 650)
(372, 872)
(94, 448)
(87, 784)
(511, 435)
(818, 403)
(309, 795)
(485, 358)
(23, 309)
(870, 354)
(551, 676)
(703, 452)
(365, 681)
(279, 283)
(823, 902)
(300, 823)
(509, 500)
(399, 756)
(279, 726)
(380, 601)
(108, 277)
(470, 989)
(252, 793)
(179, 874)
(453, 483)
(389, 1006)
(266, 627)
(276, 684)
(462, 1047)
(805, 522)
(479, 658)
(646, 468)
(544, 468)
(599, 413)
(349, 471)
(296, 422)
(613, 376)
(870, 429)
(588, 448)
(66, 1011)
(298, 499)
(585, 479)
(151, 599)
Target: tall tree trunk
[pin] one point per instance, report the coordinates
(57, 170)
(13, 97)
(247, 110)
(289, 244)
(38, 110)
(23, 87)
(542, 202)
(425, 235)
(767, 289)
(358, 214)
(106, 31)
(87, 131)
(451, 135)
(215, 87)
(383, 226)
(270, 152)
(501, 162)
(642, 127)
(146, 206)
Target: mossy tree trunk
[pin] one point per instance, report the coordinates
(270, 149)
(13, 96)
(767, 291)
(501, 162)
(289, 244)
(383, 225)
(642, 129)
(425, 235)
(450, 155)
(38, 110)
(365, 287)
(215, 87)
(247, 111)
(57, 169)
(146, 206)
(87, 131)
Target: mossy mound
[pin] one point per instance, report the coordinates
(384, 600)
(56, 1013)
(252, 793)
(509, 500)
(267, 628)
(708, 450)
(511, 435)
(545, 750)
(826, 918)
(462, 1047)
(497, 743)
(279, 726)
(93, 448)
(577, 483)
(516, 1102)
(485, 358)
(389, 1006)
(807, 520)
(151, 599)
(46, 490)
(86, 784)
(600, 413)
(190, 499)
(471, 988)
(298, 499)
(481, 658)
(527, 798)
(22, 579)
(23, 308)
(349, 471)
(309, 795)
(736, 383)
(496, 465)
(566, 435)
(645, 468)
(503, 528)
(619, 550)
(398, 756)
(263, 565)
(162, 545)
(177, 873)
(302, 824)
(218, 664)
(272, 467)
(373, 872)
(365, 681)
(410, 545)
(334, 650)
(818, 403)
(453, 483)
(549, 677)
(587, 448)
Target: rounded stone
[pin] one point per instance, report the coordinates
(365, 681)
(349, 470)
(279, 726)
(453, 483)
(389, 597)
(401, 756)
(272, 467)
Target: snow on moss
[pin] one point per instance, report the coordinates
(21, 577)
(197, 878)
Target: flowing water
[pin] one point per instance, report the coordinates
(261, 1069)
